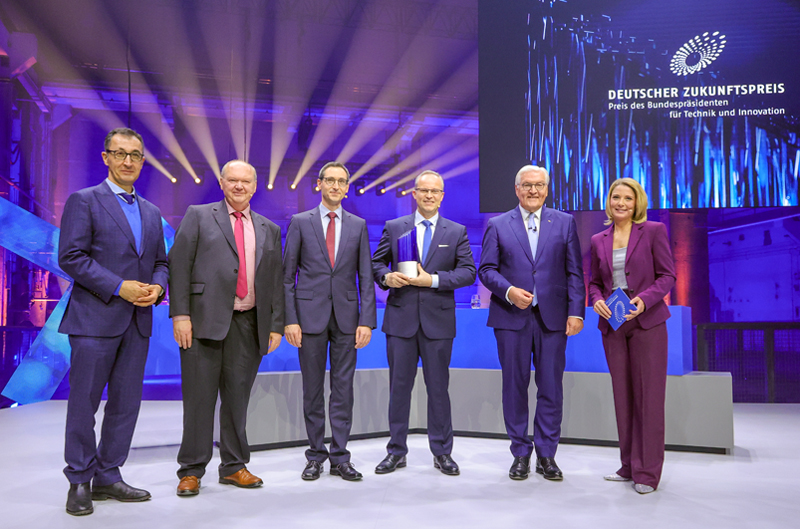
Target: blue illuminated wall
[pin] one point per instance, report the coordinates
(724, 135)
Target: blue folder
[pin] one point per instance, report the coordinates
(620, 307)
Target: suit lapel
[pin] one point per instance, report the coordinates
(224, 222)
(110, 203)
(545, 229)
(344, 236)
(146, 215)
(260, 228)
(438, 234)
(636, 234)
(517, 226)
(608, 247)
(316, 224)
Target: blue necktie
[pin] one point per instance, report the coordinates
(426, 239)
(533, 240)
(128, 198)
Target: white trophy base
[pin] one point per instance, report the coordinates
(408, 268)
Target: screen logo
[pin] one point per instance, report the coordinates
(696, 54)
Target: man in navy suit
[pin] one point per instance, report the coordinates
(330, 299)
(531, 263)
(112, 245)
(226, 303)
(420, 319)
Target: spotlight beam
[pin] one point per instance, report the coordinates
(384, 153)
(290, 51)
(441, 150)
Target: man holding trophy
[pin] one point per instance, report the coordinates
(422, 258)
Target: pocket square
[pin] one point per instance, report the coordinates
(443, 245)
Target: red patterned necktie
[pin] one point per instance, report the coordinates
(241, 278)
(330, 237)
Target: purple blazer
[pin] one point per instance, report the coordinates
(649, 269)
(506, 260)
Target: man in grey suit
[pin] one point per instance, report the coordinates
(226, 304)
(420, 319)
(330, 299)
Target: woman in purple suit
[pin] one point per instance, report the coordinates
(634, 254)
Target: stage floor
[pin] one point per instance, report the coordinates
(755, 486)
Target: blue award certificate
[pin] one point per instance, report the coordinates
(407, 254)
(620, 307)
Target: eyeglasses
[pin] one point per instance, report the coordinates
(527, 186)
(342, 182)
(423, 191)
(120, 155)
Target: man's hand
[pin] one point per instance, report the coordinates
(294, 335)
(519, 297)
(574, 325)
(131, 291)
(602, 309)
(363, 336)
(149, 299)
(182, 330)
(639, 308)
(397, 280)
(423, 278)
(274, 341)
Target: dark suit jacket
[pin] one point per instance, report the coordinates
(506, 261)
(649, 270)
(410, 307)
(313, 288)
(97, 249)
(205, 263)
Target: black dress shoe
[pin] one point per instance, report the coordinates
(446, 465)
(119, 491)
(346, 471)
(520, 468)
(79, 499)
(546, 466)
(312, 471)
(390, 463)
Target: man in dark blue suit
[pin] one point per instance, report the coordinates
(420, 319)
(112, 245)
(330, 299)
(531, 263)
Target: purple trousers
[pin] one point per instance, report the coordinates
(637, 360)
(516, 349)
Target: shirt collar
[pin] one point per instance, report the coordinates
(231, 211)
(536, 214)
(418, 218)
(116, 189)
(323, 211)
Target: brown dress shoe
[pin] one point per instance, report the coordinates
(189, 486)
(243, 479)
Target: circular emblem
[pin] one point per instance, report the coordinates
(698, 53)
(619, 311)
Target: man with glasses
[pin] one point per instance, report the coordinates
(226, 304)
(531, 262)
(420, 319)
(112, 245)
(330, 301)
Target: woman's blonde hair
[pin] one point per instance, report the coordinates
(640, 200)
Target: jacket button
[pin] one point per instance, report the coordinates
(330, 297)
(627, 273)
(235, 270)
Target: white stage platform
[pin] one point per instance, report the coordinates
(753, 487)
